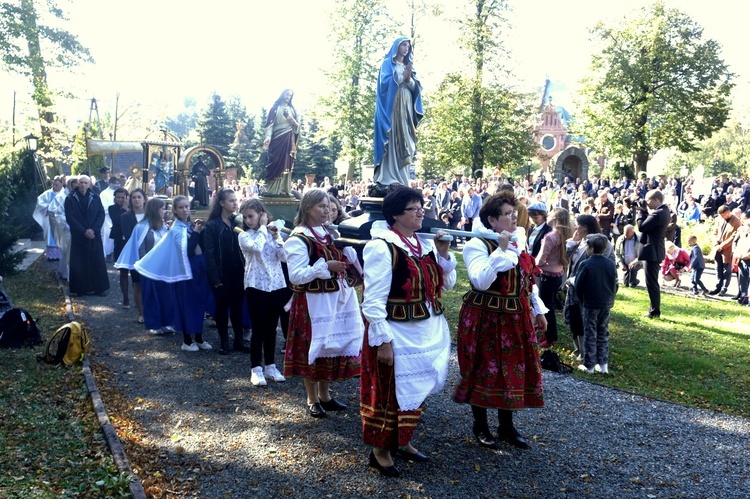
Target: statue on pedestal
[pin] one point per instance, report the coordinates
(282, 134)
(398, 110)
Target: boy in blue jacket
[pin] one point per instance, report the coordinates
(697, 265)
(596, 286)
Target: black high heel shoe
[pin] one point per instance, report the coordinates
(388, 471)
(484, 437)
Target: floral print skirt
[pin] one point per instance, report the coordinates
(499, 360)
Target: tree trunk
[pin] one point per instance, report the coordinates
(41, 97)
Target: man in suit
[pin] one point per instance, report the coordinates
(653, 226)
(538, 215)
(443, 196)
(726, 226)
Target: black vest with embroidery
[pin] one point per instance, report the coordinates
(316, 251)
(505, 292)
(415, 283)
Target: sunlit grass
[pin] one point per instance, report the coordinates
(697, 354)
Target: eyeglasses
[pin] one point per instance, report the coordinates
(415, 209)
(510, 214)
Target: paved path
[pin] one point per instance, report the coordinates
(211, 426)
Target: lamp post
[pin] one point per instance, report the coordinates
(32, 144)
(528, 171)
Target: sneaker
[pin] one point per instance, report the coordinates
(602, 369)
(169, 330)
(585, 369)
(257, 378)
(155, 332)
(204, 346)
(274, 374)
(190, 348)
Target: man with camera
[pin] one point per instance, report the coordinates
(653, 218)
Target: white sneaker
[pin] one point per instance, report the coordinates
(257, 378)
(585, 369)
(155, 332)
(602, 369)
(169, 330)
(204, 346)
(274, 374)
(190, 348)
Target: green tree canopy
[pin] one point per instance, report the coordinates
(358, 28)
(29, 47)
(314, 155)
(446, 139)
(216, 126)
(657, 83)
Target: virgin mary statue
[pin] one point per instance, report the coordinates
(398, 110)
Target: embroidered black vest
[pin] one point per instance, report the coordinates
(415, 282)
(316, 251)
(505, 292)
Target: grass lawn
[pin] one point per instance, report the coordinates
(697, 355)
(51, 444)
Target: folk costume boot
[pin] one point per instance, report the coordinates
(482, 429)
(507, 432)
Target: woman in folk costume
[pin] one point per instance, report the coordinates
(497, 345)
(325, 324)
(407, 341)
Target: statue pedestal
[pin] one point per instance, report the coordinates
(281, 207)
(355, 232)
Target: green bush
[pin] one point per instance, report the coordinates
(17, 202)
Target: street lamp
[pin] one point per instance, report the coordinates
(32, 143)
(528, 170)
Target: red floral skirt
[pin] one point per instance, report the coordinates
(298, 346)
(383, 424)
(499, 360)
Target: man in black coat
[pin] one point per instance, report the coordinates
(85, 216)
(653, 227)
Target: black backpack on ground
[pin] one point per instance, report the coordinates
(18, 329)
(551, 361)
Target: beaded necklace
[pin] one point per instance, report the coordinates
(322, 240)
(416, 249)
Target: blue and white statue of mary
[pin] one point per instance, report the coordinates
(398, 110)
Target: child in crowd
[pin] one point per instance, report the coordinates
(698, 264)
(265, 287)
(596, 286)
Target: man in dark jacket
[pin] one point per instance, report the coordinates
(85, 216)
(653, 227)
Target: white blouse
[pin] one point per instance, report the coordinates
(483, 268)
(263, 257)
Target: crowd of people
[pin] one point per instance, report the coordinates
(524, 244)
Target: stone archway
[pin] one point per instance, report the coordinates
(573, 162)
